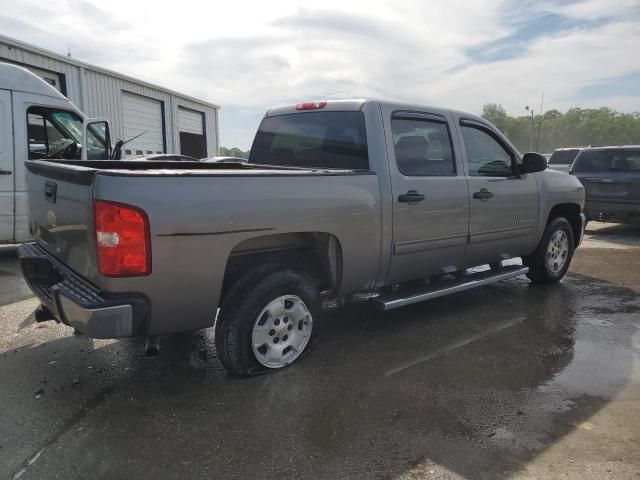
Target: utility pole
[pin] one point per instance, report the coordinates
(540, 122)
(531, 141)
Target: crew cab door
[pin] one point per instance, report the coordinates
(430, 195)
(7, 167)
(504, 205)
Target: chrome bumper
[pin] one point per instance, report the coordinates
(99, 322)
(76, 302)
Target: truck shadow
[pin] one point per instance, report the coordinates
(478, 384)
(621, 234)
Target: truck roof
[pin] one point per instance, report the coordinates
(613, 147)
(19, 79)
(357, 104)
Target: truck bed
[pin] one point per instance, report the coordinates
(85, 170)
(200, 215)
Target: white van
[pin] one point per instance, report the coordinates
(37, 122)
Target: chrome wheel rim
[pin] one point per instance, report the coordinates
(281, 331)
(557, 251)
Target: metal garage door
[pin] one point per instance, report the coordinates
(190, 121)
(142, 115)
(191, 128)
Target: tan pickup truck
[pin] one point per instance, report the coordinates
(336, 198)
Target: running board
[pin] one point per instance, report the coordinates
(403, 298)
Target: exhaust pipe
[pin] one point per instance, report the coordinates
(43, 314)
(152, 349)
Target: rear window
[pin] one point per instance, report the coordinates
(563, 157)
(312, 139)
(608, 161)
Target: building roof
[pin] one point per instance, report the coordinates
(19, 79)
(105, 71)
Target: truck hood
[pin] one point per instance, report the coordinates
(559, 184)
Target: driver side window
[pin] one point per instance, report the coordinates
(50, 137)
(486, 157)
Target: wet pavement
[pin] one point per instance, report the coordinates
(510, 380)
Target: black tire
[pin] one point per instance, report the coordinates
(539, 271)
(241, 307)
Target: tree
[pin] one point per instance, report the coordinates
(576, 127)
(497, 115)
(233, 152)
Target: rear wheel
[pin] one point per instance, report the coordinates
(551, 260)
(267, 321)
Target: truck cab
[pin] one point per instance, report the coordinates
(38, 123)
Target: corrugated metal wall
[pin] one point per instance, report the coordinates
(99, 94)
(26, 57)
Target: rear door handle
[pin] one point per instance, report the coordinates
(412, 196)
(5, 172)
(483, 194)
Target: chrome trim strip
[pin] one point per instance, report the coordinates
(413, 246)
(389, 302)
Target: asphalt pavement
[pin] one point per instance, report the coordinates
(506, 381)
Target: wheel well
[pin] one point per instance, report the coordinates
(571, 212)
(315, 253)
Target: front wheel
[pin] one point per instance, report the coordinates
(551, 260)
(268, 319)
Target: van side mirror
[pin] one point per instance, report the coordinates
(533, 162)
(96, 139)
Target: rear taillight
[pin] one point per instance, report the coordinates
(311, 105)
(122, 237)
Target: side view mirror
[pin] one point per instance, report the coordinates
(533, 162)
(96, 139)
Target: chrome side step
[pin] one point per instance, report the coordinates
(403, 298)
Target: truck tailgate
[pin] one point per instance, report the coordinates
(60, 198)
(620, 187)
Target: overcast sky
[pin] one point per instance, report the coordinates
(249, 55)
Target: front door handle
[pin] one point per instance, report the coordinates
(5, 172)
(483, 194)
(412, 196)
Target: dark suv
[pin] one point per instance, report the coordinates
(611, 179)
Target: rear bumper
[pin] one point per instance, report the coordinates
(76, 302)
(612, 212)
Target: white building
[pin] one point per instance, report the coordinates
(169, 122)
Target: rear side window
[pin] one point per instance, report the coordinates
(312, 139)
(422, 147)
(563, 157)
(608, 161)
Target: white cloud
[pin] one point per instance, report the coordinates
(248, 55)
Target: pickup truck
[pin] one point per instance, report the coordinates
(611, 178)
(337, 197)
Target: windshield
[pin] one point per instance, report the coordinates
(313, 139)
(71, 123)
(563, 157)
(614, 160)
